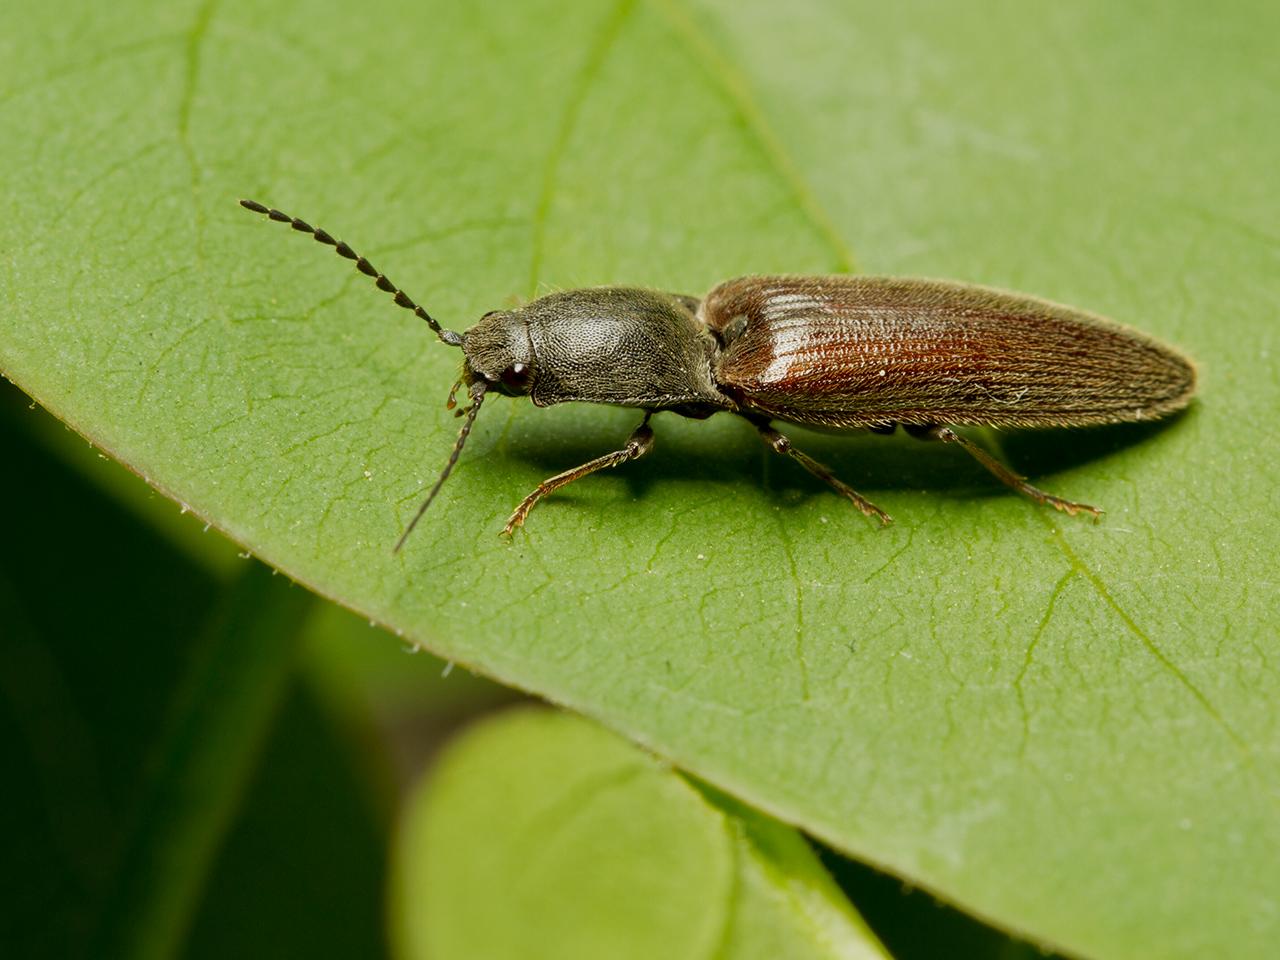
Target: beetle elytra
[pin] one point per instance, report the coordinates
(842, 352)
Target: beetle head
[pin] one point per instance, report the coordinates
(498, 356)
(499, 353)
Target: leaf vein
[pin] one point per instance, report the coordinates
(591, 68)
(1161, 657)
(734, 87)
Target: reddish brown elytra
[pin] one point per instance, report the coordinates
(834, 352)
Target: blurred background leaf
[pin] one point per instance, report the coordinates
(542, 835)
(1067, 729)
(166, 766)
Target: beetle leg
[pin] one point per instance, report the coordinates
(999, 470)
(638, 444)
(782, 444)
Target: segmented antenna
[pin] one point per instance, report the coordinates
(380, 279)
(477, 397)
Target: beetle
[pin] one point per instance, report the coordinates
(829, 352)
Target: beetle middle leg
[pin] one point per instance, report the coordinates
(782, 444)
(638, 444)
(999, 470)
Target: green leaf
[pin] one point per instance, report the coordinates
(131, 720)
(304, 869)
(542, 835)
(785, 904)
(207, 752)
(1068, 729)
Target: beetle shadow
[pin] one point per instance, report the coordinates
(866, 461)
(1043, 452)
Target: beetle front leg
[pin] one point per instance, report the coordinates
(999, 470)
(638, 444)
(782, 444)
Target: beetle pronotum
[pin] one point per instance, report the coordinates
(842, 352)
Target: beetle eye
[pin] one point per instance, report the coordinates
(517, 376)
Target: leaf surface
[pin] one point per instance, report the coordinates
(1068, 729)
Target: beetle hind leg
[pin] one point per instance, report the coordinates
(1000, 471)
(638, 444)
(782, 444)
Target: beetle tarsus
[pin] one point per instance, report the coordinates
(782, 444)
(1002, 473)
(638, 444)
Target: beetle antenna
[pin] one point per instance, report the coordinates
(477, 397)
(380, 279)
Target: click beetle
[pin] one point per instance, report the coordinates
(833, 352)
